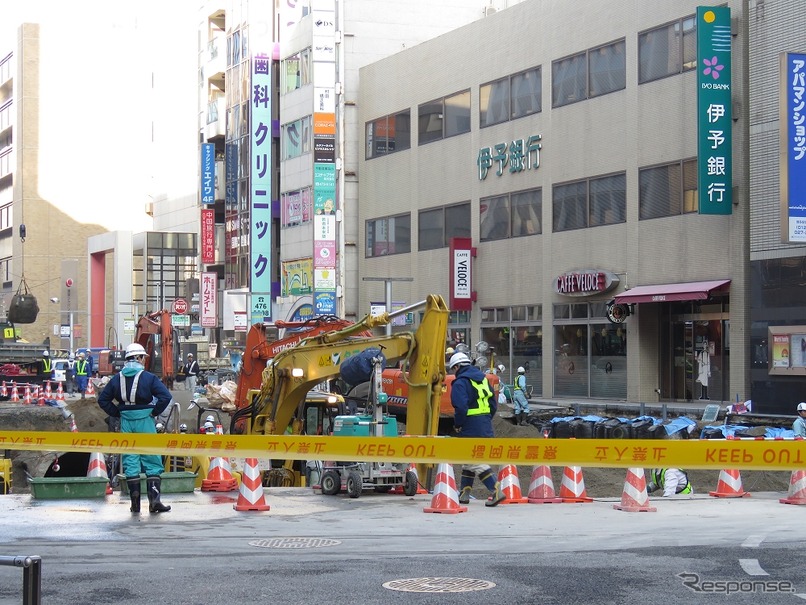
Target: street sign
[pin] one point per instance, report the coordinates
(180, 306)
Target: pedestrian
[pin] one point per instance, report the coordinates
(140, 397)
(799, 426)
(474, 407)
(519, 397)
(191, 372)
(82, 373)
(70, 375)
(671, 480)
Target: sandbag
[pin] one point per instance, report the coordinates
(23, 309)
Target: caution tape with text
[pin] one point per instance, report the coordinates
(700, 454)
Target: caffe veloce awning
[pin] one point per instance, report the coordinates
(696, 290)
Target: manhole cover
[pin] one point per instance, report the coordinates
(438, 585)
(294, 543)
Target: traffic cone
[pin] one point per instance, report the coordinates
(90, 387)
(797, 489)
(4, 390)
(541, 487)
(219, 477)
(60, 393)
(511, 486)
(48, 391)
(15, 394)
(97, 468)
(73, 425)
(446, 498)
(729, 485)
(634, 498)
(251, 495)
(572, 488)
(27, 400)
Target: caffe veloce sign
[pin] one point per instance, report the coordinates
(585, 282)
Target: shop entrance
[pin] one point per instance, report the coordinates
(694, 354)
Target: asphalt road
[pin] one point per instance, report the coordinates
(382, 548)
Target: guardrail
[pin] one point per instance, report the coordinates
(31, 576)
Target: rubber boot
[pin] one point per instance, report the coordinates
(154, 504)
(466, 485)
(523, 419)
(134, 493)
(496, 495)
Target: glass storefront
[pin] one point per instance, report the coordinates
(590, 353)
(515, 339)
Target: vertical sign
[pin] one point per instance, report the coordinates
(207, 173)
(260, 182)
(714, 157)
(792, 139)
(461, 254)
(207, 236)
(323, 57)
(208, 300)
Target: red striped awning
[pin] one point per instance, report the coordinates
(697, 290)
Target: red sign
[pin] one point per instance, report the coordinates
(208, 236)
(180, 306)
(462, 294)
(585, 282)
(69, 283)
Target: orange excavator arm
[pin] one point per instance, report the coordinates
(159, 324)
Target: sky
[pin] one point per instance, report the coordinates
(110, 140)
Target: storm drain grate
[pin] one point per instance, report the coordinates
(438, 585)
(294, 543)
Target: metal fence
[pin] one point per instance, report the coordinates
(31, 577)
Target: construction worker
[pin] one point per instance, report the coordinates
(671, 480)
(140, 397)
(799, 426)
(47, 368)
(519, 397)
(82, 373)
(70, 375)
(474, 407)
(191, 372)
(448, 354)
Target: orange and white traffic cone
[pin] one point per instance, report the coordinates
(446, 498)
(15, 394)
(541, 487)
(97, 468)
(511, 485)
(219, 477)
(634, 497)
(73, 425)
(4, 390)
(48, 391)
(251, 495)
(27, 400)
(90, 387)
(729, 485)
(572, 488)
(797, 489)
(60, 393)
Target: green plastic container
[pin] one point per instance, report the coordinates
(54, 488)
(172, 483)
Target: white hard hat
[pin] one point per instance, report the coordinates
(209, 426)
(521, 370)
(183, 428)
(501, 369)
(45, 354)
(210, 418)
(801, 406)
(160, 427)
(458, 359)
(135, 349)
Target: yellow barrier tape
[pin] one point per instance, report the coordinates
(699, 454)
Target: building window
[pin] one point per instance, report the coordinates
(388, 134)
(296, 138)
(295, 71)
(437, 226)
(512, 97)
(667, 50)
(668, 190)
(514, 336)
(590, 203)
(591, 73)
(388, 235)
(512, 215)
(443, 117)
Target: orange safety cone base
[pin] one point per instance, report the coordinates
(545, 500)
(792, 500)
(576, 500)
(635, 509)
(252, 507)
(224, 485)
(442, 506)
(521, 500)
(729, 494)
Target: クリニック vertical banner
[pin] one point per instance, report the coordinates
(792, 139)
(714, 123)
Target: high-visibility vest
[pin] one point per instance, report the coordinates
(46, 365)
(660, 481)
(517, 384)
(81, 367)
(483, 396)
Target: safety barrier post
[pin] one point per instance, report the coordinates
(31, 577)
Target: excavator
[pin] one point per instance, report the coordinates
(282, 404)
(162, 360)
